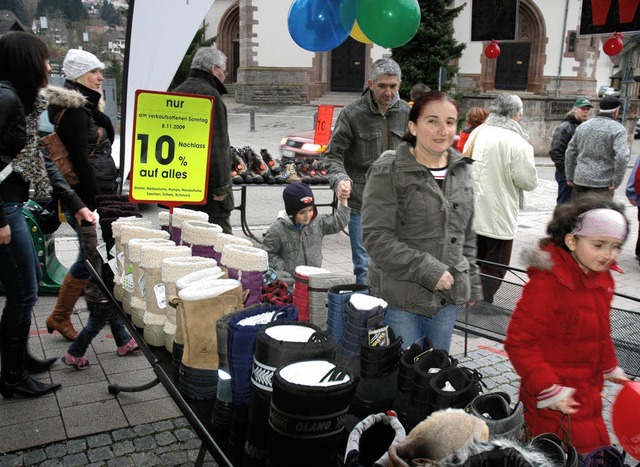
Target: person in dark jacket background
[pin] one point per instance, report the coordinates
(24, 69)
(561, 137)
(208, 72)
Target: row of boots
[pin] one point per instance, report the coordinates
(250, 167)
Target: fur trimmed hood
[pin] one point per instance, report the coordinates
(535, 257)
(64, 97)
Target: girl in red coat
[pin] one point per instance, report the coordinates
(559, 337)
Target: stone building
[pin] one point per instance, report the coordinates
(547, 65)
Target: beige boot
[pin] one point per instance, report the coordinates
(60, 318)
(202, 308)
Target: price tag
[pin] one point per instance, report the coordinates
(161, 297)
(323, 125)
(171, 142)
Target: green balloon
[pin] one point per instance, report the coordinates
(388, 23)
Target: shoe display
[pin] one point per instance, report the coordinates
(129, 347)
(81, 363)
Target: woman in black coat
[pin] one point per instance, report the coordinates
(24, 69)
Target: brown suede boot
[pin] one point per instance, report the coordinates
(59, 319)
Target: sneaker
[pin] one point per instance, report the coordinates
(290, 174)
(258, 164)
(128, 348)
(239, 166)
(81, 363)
(270, 161)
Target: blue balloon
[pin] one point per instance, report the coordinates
(318, 25)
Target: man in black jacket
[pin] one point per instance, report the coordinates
(208, 71)
(561, 137)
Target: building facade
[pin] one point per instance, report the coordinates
(548, 64)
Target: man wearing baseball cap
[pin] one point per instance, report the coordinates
(561, 137)
(597, 155)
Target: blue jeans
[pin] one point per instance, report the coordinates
(565, 192)
(359, 255)
(19, 271)
(78, 270)
(411, 326)
(99, 315)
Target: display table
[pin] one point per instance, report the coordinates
(242, 207)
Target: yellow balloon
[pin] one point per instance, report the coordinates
(358, 35)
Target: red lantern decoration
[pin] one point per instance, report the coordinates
(493, 50)
(613, 45)
(625, 413)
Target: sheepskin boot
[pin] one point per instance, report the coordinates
(319, 285)
(250, 264)
(201, 277)
(308, 406)
(220, 241)
(437, 438)
(378, 383)
(242, 331)
(179, 217)
(454, 387)
(301, 289)
(426, 366)
(200, 236)
(503, 420)
(364, 312)
(338, 296)
(117, 250)
(155, 306)
(133, 296)
(408, 359)
(172, 270)
(370, 439)
(277, 344)
(128, 233)
(202, 307)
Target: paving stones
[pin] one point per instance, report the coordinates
(163, 443)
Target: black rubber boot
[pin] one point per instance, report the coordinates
(308, 408)
(426, 367)
(378, 383)
(405, 376)
(496, 411)
(277, 344)
(13, 378)
(466, 384)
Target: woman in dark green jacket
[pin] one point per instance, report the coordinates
(417, 218)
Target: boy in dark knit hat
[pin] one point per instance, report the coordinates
(295, 238)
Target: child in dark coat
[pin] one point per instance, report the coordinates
(295, 238)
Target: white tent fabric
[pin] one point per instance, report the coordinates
(159, 35)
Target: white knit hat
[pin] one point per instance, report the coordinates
(78, 62)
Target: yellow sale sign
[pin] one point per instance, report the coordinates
(170, 156)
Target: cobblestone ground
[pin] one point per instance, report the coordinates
(169, 442)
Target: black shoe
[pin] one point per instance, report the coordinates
(34, 366)
(496, 411)
(27, 387)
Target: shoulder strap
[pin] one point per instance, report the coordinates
(64, 109)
